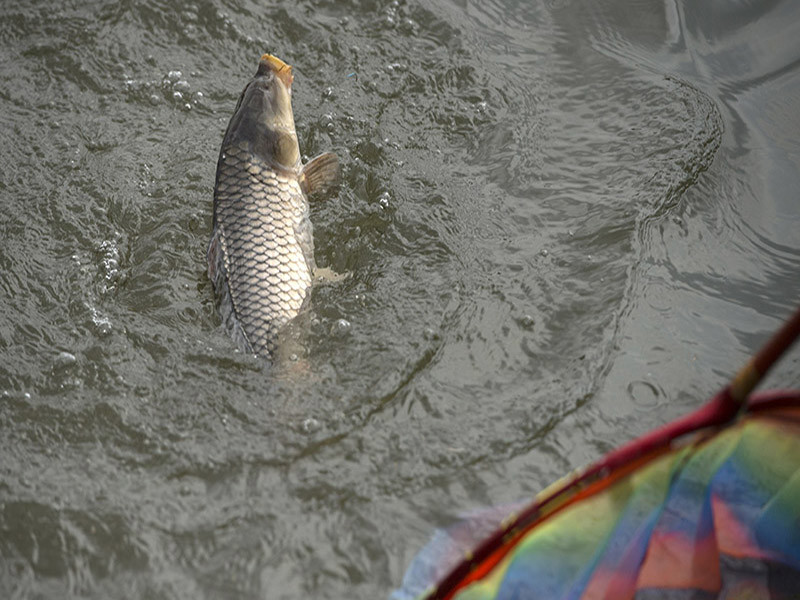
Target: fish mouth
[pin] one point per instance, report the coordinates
(281, 70)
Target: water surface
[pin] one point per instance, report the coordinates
(564, 223)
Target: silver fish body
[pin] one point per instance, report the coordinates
(261, 255)
(264, 250)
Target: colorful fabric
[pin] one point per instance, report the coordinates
(714, 516)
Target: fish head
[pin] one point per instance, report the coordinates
(263, 121)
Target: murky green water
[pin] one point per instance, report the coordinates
(565, 222)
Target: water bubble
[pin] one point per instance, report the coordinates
(527, 322)
(64, 359)
(544, 252)
(101, 323)
(110, 252)
(429, 334)
(103, 326)
(383, 200)
(177, 96)
(311, 425)
(644, 394)
(154, 99)
(181, 85)
(341, 326)
(187, 106)
(174, 76)
(109, 265)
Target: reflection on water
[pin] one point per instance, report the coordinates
(564, 223)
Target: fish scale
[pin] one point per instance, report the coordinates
(265, 256)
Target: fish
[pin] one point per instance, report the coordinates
(261, 254)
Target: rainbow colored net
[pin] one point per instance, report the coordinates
(711, 514)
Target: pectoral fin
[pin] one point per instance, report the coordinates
(320, 175)
(327, 275)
